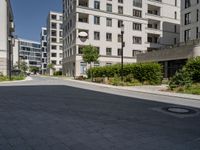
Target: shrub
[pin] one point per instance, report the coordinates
(193, 66)
(182, 78)
(57, 73)
(143, 72)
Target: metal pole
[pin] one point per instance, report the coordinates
(9, 60)
(122, 57)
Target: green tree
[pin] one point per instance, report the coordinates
(23, 66)
(90, 55)
(51, 67)
(34, 69)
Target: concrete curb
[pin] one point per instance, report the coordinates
(169, 94)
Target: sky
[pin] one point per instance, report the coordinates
(31, 15)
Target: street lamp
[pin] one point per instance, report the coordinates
(122, 52)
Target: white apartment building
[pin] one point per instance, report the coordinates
(30, 52)
(148, 24)
(175, 57)
(6, 37)
(54, 41)
(43, 41)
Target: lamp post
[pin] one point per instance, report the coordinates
(11, 44)
(122, 52)
(83, 36)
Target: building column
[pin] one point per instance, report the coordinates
(166, 69)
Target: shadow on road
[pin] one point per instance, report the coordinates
(63, 117)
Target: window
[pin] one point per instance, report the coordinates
(61, 55)
(197, 32)
(175, 15)
(109, 7)
(137, 3)
(108, 36)
(197, 15)
(53, 17)
(119, 38)
(137, 40)
(120, 10)
(96, 5)
(53, 54)
(175, 29)
(53, 25)
(119, 52)
(187, 18)
(187, 35)
(187, 3)
(108, 51)
(96, 20)
(108, 22)
(53, 33)
(120, 23)
(137, 26)
(175, 2)
(120, 1)
(53, 47)
(137, 13)
(53, 62)
(175, 41)
(96, 35)
(53, 40)
(135, 52)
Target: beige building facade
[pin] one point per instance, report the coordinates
(148, 25)
(6, 37)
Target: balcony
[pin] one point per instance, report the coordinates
(83, 3)
(154, 27)
(154, 10)
(153, 41)
(83, 18)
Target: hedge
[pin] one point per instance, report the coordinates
(57, 73)
(193, 67)
(143, 72)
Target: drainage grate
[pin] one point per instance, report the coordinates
(180, 110)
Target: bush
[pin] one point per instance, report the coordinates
(143, 72)
(193, 67)
(57, 73)
(182, 78)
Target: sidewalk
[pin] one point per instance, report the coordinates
(155, 90)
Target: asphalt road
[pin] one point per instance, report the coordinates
(53, 114)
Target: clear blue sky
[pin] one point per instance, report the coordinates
(31, 15)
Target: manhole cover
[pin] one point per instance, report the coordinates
(180, 110)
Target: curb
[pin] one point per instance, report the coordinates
(17, 81)
(160, 93)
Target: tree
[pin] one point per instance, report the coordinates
(23, 66)
(34, 69)
(51, 66)
(90, 54)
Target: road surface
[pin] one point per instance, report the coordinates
(53, 114)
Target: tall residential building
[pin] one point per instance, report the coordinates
(54, 41)
(175, 57)
(43, 41)
(190, 20)
(30, 52)
(6, 36)
(149, 25)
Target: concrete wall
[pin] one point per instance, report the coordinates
(3, 36)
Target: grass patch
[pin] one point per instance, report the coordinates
(14, 78)
(193, 89)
